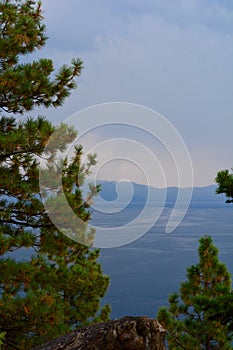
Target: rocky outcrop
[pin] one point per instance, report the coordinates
(127, 333)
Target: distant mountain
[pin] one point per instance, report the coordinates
(113, 191)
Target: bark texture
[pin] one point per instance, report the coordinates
(127, 333)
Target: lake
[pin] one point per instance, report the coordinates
(145, 272)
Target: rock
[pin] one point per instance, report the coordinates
(127, 333)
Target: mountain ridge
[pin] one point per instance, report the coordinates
(134, 192)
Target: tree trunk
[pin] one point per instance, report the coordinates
(127, 333)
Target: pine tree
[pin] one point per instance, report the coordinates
(25, 85)
(224, 179)
(198, 316)
(1, 339)
(49, 283)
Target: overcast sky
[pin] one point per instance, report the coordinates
(174, 56)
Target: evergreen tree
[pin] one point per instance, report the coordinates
(25, 85)
(224, 180)
(198, 316)
(1, 339)
(49, 283)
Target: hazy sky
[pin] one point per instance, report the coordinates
(174, 56)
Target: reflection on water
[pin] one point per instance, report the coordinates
(144, 272)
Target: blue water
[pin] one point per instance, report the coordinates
(146, 271)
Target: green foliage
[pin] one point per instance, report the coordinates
(198, 316)
(1, 339)
(224, 179)
(24, 85)
(49, 284)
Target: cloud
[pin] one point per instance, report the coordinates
(174, 56)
